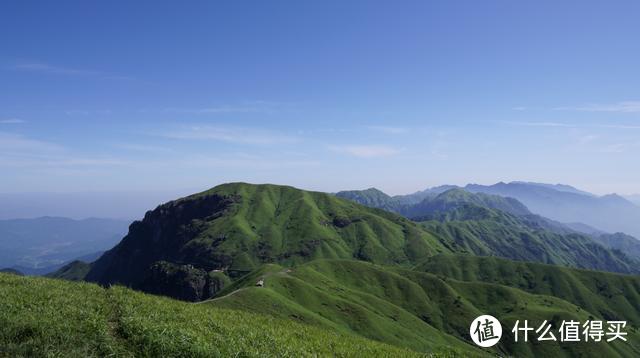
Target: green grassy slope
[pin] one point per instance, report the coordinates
(505, 235)
(607, 295)
(180, 248)
(454, 198)
(237, 227)
(491, 225)
(373, 198)
(45, 317)
(625, 243)
(414, 309)
(73, 271)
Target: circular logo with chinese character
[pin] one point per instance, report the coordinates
(485, 331)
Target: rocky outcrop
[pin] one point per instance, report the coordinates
(160, 236)
(184, 282)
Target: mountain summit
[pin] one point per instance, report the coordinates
(189, 247)
(193, 247)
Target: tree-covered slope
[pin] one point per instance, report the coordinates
(422, 310)
(53, 318)
(237, 227)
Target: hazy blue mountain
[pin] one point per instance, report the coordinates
(454, 198)
(619, 241)
(559, 187)
(634, 198)
(432, 201)
(610, 213)
(373, 198)
(415, 198)
(126, 205)
(584, 228)
(11, 271)
(44, 270)
(37, 246)
(493, 225)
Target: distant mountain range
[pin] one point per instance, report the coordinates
(193, 247)
(332, 263)
(38, 246)
(476, 220)
(611, 213)
(563, 203)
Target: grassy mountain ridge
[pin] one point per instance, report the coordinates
(609, 295)
(74, 271)
(454, 198)
(619, 241)
(490, 225)
(193, 247)
(422, 310)
(373, 198)
(507, 236)
(42, 317)
(334, 265)
(237, 227)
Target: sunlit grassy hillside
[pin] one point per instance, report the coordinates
(425, 311)
(45, 317)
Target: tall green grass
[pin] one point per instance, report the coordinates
(52, 318)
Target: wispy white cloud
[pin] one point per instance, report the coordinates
(622, 107)
(256, 106)
(20, 151)
(570, 125)
(618, 126)
(366, 151)
(238, 135)
(388, 129)
(539, 124)
(84, 112)
(12, 121)
(615, 148)
(39, 67)
(243, 161)
(143, 148)
(585, 139)
(46, 68)
(16, 143)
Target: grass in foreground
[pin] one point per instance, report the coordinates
(45, 317)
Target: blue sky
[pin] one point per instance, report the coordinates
(400, 95)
